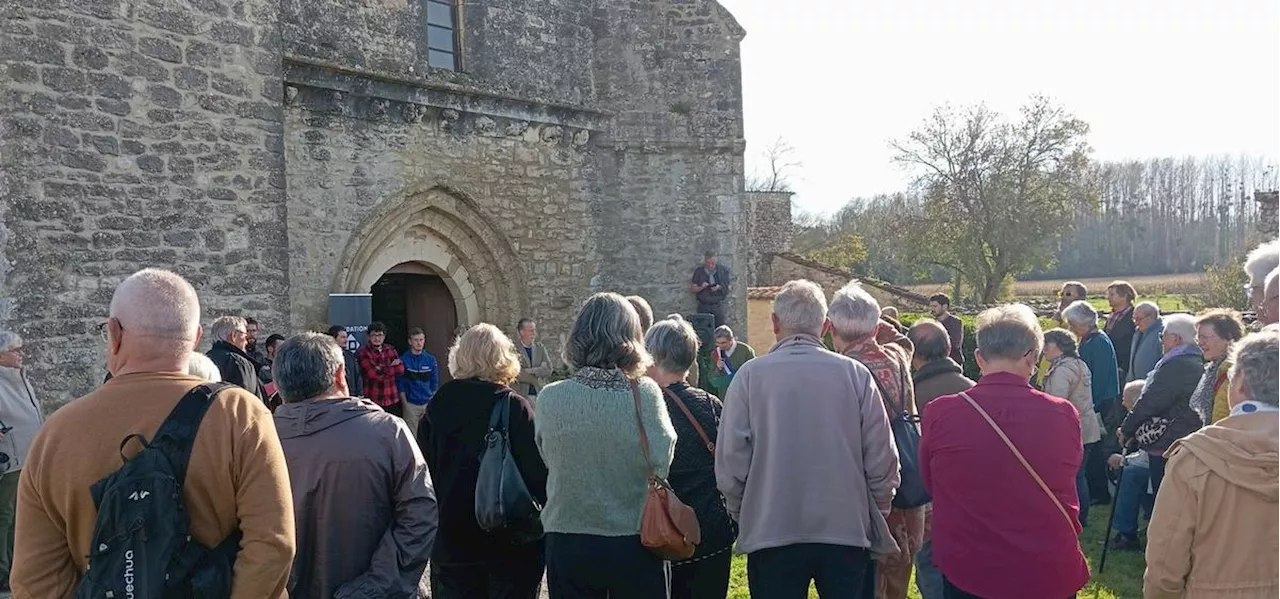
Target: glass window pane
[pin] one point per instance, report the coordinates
(441, 60)
(439, 38)
(439, 14)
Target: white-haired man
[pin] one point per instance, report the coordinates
(1007, 537)
(1258, 264)
(236, 481)
(1146, 350)
(791, 418)
(1269, 310)
(1163, 412)
(20, 419)
(230, 338)
(1214, 529)
(854, 316)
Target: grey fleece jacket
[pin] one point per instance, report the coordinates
(362, 496)
(805, 449)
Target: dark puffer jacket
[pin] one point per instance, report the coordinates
(1168, 395)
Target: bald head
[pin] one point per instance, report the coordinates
(930, 339)
(157, 305)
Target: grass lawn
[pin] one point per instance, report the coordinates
(1122, 579)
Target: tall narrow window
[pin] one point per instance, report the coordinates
(442, 34)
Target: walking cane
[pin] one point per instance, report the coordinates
(1111, 517)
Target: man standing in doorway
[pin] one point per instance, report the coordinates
(380, 365)
(420, 380)
(535, 364)
(940, 307)
(711, 287)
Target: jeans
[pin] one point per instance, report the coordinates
(706, 578)
(716, 310)
(1131, 494)
(1157, 473)
(928, 576)
(837, 571)
(1082, 483)
(596, 567)
(515, 575)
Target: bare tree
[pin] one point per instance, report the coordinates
(777, 165)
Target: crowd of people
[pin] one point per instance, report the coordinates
(314, 471)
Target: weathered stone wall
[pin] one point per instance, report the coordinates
(670, 71)
(136, 133)
(530, 50)
(769, 231)
(505, 198)
(1269, 209)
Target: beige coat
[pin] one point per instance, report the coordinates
(1069, 378)
(1214, 532)
(535, 372)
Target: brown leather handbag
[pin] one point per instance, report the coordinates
(668, 527)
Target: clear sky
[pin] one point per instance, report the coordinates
(839, 79)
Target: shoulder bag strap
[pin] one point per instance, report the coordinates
(1018, 454)
(644, 439)
(896, 406)
(711, 446)
(177, 434)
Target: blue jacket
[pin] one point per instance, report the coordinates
(1098, 353)
(1146, 352)
(421, 377)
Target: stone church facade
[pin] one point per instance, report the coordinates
(513, 156)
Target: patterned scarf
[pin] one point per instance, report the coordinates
(887, 363)
(1202, 397)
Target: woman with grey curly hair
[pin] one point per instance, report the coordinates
(598, 478)
(21, 417)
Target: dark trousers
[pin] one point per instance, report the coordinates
(836, 571)
(1157, 463)
(704, 579)
(515, 574)
(950, 591)
(1095, 472)
(595, 567)
(716, 310)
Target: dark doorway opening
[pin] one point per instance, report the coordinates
(409, 296)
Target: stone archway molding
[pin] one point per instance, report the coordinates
(446, 230)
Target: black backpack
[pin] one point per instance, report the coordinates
(906, 436)
(142, 546)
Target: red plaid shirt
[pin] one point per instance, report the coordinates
(379, 374)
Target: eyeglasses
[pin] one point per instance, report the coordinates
(103, 327)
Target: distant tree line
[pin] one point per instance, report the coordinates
(995, 199)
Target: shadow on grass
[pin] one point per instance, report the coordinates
(1122, 578)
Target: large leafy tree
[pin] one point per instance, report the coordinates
(997, 193)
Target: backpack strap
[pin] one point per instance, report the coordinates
(177, 434)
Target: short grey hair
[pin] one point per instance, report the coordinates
(1009, 332)
(801, 307)
(606, 334)
(1081, 314)
(224, 326)
(1256, 358)
(673, 345)
(723, 332)
(9, 340)
(1261, 261)
(1274, 278)
(160, 305)
(853, 312)
(1149, 308)
(306, 366)
(199, 365)
(930, 339)
(1182, 325)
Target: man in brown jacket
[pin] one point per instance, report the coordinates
(1213, 532)
(359, 481)
(237, 478)
(935, 374)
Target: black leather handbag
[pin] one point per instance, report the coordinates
(906, 435)
(503, 501)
